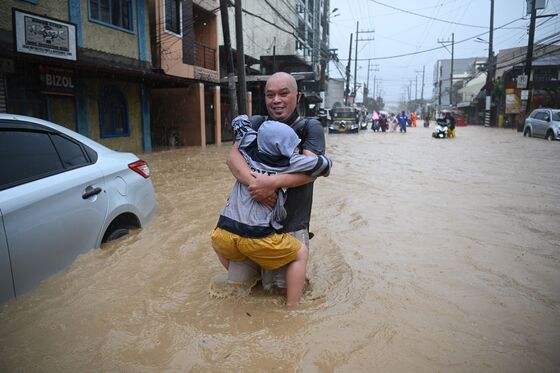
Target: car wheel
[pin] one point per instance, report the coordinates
(527, 132)
(549, 135)
(116, 234)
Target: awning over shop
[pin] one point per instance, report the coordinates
(312, 97)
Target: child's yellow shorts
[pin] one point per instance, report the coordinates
(269, 252)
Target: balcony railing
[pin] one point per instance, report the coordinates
(204, 56)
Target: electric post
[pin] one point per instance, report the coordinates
(451, 72)
(347, 90)
(375, 68)
(356, 54)
(421, 88)
(529, 59)
(442, 42)
(440, 81)
(242, 99)
(229, 58)
(489, 70)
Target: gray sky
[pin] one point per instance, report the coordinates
(398, 32)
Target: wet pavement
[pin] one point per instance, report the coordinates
(429, 255)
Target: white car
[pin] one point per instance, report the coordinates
(61, 194)
(544, 123)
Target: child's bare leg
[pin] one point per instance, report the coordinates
(295, 277)
(222, 259)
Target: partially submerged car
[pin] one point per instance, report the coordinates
(61, 194)
(543, 122)
(345, 120)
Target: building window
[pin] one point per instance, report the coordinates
(113, 113)
(117, 13)
(173, 16)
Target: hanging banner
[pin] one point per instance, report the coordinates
(44, 36)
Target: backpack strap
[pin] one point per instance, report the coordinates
(256, 121)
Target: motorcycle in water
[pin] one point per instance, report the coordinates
(441, 129)
(363, 124)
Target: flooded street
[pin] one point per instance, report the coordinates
(429, 255)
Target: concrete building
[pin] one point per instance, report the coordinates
(463, 69)
(80, 64)
(280, 35)
(129, 74)
(186, 106)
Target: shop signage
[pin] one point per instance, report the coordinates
(44, 36)
(513, 103)
(205, 74)
(57, 81)
(525, 94)
(522, 81)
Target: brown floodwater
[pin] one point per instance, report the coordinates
(429, 255)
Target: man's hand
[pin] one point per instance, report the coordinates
(263, 189)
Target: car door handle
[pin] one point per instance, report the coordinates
(90, 192)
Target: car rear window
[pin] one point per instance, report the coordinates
(556, 116)
(26, 155)
(70, 152)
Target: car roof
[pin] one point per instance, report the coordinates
(86, 140)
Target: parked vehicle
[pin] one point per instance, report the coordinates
(440, 132)
(543, 122)
(61, 194)
(345, 119)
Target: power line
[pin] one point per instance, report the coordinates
(428, 17)
(435, 48)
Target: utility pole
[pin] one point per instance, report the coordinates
(347, 90)
(451, 72)
(442, 42)
(324, 47)
(240, 59)
(529, 59)
(229, 58)
(375, 68)
(409, 90)
(356, 63)
(416, 88)
(423, 72)
(366, 85)
(439, 76)
(489, 70)
(356, 53)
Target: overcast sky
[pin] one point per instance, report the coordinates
(398, 32)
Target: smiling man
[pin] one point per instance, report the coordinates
(281, 97)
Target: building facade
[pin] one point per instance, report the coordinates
(130, 74)
(186, 107)
(463, 70)
(83, 64)
(280, 35)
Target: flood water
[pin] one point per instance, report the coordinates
(429, 255)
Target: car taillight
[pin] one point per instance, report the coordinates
(141, 168)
